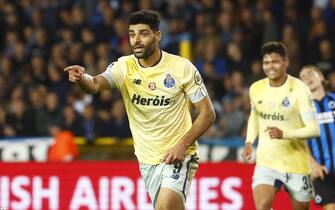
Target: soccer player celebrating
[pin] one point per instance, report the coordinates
(322, 148)
(282, 117)
(156, 88)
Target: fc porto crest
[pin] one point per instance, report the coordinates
(169, 81)
(285, 102)
(152, 86)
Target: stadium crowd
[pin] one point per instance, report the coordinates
(221, 37)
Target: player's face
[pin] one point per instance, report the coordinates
(311, 78)
(274, 66)
(143, 40)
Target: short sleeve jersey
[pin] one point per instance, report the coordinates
(282, 107)
(157, 101)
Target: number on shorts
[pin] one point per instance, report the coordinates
(177, 167)
(307, 182)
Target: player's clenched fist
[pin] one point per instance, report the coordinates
(76, 73)
(274, 132)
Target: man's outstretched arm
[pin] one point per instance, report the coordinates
(88, 83)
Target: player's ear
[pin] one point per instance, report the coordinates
(158, 35)
(287, 62)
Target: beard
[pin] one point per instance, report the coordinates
(147, 51)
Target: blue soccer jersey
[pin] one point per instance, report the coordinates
(323, 147)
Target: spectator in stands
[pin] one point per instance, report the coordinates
(90, 124)
(293, 17)
(256, 72)
(252, 31)
(176, 35)
(119, 121)
(225, 26)
(329, 13)
(20, 58)
(49, 114)
(232, 119)
(38, 68)
(2, 120)
(57, 83)
(72, 121)
(19, 119)
(34, 106)
(6, 70)
(237, 81)
(289, 38)
(331, 79)
(318, 32)
(89, 58)
(326, 61)
(209, 61)
(235, 57)
(63, 147)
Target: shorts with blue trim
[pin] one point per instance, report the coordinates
(299, 186)
(176, 177)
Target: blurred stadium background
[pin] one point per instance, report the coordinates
(221, 37)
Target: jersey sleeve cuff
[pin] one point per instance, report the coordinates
(108, 77)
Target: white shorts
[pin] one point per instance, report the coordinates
(299, 186)
(176, 177)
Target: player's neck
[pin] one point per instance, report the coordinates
(278, 82)
(152, 60)
(319, 93)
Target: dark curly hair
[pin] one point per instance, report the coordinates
(274, 47)
(149, 17)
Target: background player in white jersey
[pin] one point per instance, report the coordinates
(156, 88)
(282, 117)
(322, 148)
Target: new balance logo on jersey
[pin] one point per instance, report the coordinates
(275, 116)
(137, 81)
(158, 101)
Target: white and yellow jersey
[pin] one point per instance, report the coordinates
(157, 101)
(289, 106)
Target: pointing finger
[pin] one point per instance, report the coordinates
(69, 68)
(74, 67)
